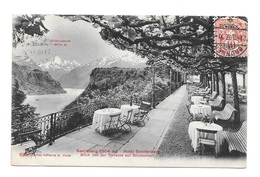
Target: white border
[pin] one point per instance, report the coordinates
(179, 7)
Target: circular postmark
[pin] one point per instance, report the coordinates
(230, 37)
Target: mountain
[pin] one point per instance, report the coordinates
(80, 77)
(57, 67)
(35, 81)
(25, 60)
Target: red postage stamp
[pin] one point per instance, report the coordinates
(230, 37)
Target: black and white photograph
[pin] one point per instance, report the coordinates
(129, 90)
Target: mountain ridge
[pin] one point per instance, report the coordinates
(80, 76)
(25, 60)
(56, 66)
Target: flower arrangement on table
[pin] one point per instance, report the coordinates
(208, 119)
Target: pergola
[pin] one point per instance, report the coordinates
(183, 42)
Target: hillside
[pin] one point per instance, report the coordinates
(80, 76)
(25, 60)
(111, 87)
(35, 81)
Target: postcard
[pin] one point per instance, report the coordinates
(129, 90)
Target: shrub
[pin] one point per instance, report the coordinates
(76, 120)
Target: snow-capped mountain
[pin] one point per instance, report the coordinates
(57, 66)
(80, 76)
(129, 60)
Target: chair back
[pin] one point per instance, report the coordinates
(207, 91)
(129, 115)
(229, 109)
(114, 119)
(208, 137)
(145, 106)
(188, 108)
(220, 98)
(214, 94)
(203, 133)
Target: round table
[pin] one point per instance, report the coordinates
(127, 107)
(102, 116)
(193, 133)
(196, 99)
(201, 109)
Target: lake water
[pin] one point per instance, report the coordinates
(47, 104)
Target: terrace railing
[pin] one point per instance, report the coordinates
(48, 128)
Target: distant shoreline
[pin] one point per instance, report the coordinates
(47, 104)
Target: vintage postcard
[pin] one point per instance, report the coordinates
(129, 90)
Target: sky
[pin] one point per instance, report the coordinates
(83, 42)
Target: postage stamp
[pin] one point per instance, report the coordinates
(230, 37)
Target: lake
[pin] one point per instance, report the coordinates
(51, 103)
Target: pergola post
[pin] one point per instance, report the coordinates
(223, 86)
(170, 80)
(217, 82)
(244, 81)
(212, 82)
(153, 89)
(236, 99)
(177, 76)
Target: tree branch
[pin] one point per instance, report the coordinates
(177, 26)
(143, 23)
(201, 22)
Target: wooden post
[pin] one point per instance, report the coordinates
(212, 82)
(236, 99)
(177, 78)
(201, 78)
(207, 80)
(217, 82)
(170, 80)
(223, 86)
(153, 88)
(244, 81)
(51, 130)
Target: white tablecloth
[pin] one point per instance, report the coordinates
(200, 109)
(196, 99)
(193, 133)
(126, 107)
(242, 97)
(242, 94)
(102, 116)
